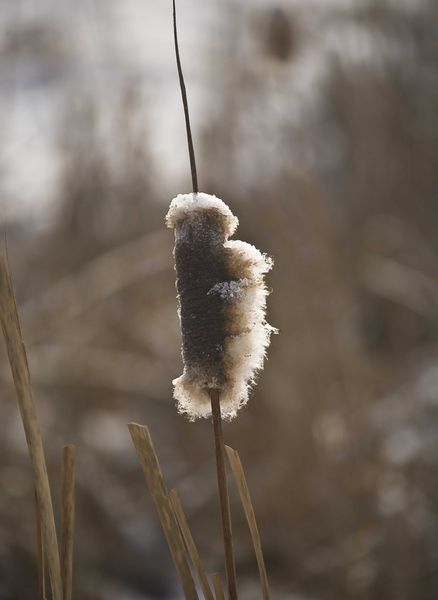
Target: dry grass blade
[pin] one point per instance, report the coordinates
(20, 372)
(190, 544)
(40, 554)
(218, 588)
(245, 498)
(67, 518)
(223, 495)
(154, 477)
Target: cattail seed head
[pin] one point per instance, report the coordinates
(222, 300)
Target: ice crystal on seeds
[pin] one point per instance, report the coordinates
(229, 290)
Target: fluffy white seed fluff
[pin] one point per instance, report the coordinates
(184, 204)
(244, 300)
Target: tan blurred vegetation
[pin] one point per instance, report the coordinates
(323, 138)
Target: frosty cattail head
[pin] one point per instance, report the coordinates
(222, 300)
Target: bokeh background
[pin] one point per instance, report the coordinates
(317, 121)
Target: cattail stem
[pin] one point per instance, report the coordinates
(185, 105)
(223, 494)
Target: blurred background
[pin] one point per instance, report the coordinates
(316, 121)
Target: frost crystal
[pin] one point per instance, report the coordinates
(229, 290)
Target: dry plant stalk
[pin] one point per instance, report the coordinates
(40, 554)
(242, 486)
(218, 588)
(67, 518)
(190, 544)
(20, 371)
(152, 471)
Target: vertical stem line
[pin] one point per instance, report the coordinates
(223, 494)
(182, 85)
(40, 554)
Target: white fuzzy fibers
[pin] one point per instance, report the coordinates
(184, 204)
(247, 333)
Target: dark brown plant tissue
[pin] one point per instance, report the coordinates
(222, 303)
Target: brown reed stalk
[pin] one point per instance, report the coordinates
(224, 498)
(20, 371)
(245, 497)
(154, 477)
(190, 544)
(41, 567)
(67, 518)
(218, 587)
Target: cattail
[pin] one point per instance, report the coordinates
(222, 301)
